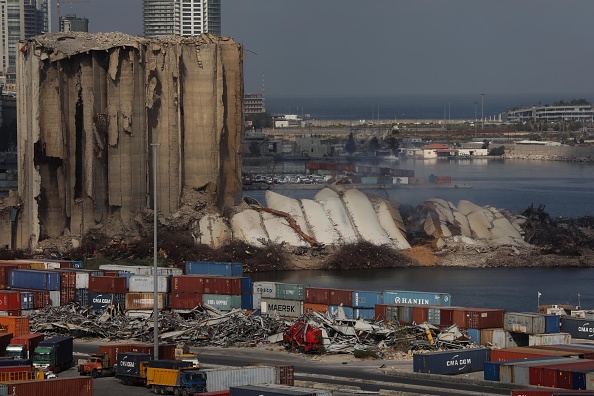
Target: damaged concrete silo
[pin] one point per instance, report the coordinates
(89, 107)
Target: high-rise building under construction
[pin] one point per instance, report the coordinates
(181, 17)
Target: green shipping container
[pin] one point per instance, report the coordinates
(286, 291)
(3, 390)
(392, 313)
(222, 302)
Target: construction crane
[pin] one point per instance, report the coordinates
(69, 2)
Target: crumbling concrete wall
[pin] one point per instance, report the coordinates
(91, 105)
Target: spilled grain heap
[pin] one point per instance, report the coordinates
(89, 108)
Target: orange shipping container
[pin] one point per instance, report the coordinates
(16, 325)
(307, 307)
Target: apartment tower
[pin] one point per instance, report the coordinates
(181, 17)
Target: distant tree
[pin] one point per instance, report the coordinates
(393, 142)
(260, 120)
(350, 146)
(499, 151)
(374, 145)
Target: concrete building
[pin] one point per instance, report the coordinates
(181, 17)
(254, 103)
(19, 20)
(550, 113)
(85, 139)
(72, 23)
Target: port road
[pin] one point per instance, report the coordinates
(340, 371)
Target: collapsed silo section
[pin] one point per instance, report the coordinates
(91, 105)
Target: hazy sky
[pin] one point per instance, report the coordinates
(376, 47)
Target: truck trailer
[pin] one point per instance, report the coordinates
(54, 354)
(131, 367)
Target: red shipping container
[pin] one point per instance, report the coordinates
(222, 285)
(16, 263)
(316, 295)
(185, 300)
(340, 296)
(107, 284)
(112, 350)
(286, 373)
(518, 353)
(79, 386)
(10, 300)
(30, 340)
(380, 311)
(187, 284)
(67, 295)
(484, 318)
(41, 299)
(420, 314)
(111, 273)
(4, 269)
(166, 351)
(582, 353)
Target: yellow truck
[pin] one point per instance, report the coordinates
(175, 376)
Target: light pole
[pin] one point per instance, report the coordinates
(482, 111)
(475, 120)
(155, 273)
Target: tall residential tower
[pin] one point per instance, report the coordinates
(181, 17)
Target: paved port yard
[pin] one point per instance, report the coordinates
(334, 371)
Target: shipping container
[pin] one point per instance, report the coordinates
(222, 285)
(278, 307)
(10, 300)
(347, 311)
(309, 307)
(406, 314)
(578, 328)
(29, 340)
(246, 285)
(15, 312)
(549, 339)
(82, 297)
(107, 284)
(416, 298)
(4, 271)
(420, 314)
(285, 374)
(526, 353)
(499, 338)
(451, 362)
(213, 268)
(316, 295)
(534, 392)
(484, 318)
(142, 269)
(67, 295)
(392, 312)
(100, 301)
(524, 323)
(492, 369)
(519, 372)
(82, 276)
(36, 280)
(381, 312)
(15, 325)
(544, 374)
(475, 336)
(221, 379)
(166, 351)
(67, 279)
(275, 390)
(247, 301)
(222, 302)
(434, 316)
(581, 350)
(364, 313)
(187, 284)
(264, 289)
(288, 291)
(185, 300)
(140, 301)
(54, 297)
(15, 373)
(146, 284)
(27, 300)
(366, 299)
(129, 363)
(81, 386)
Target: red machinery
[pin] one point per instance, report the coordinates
(303, 337)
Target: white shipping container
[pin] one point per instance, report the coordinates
(279, 389)
(499, 338)
(141, 269)
(145, 284)
(549, 339)
(223, 379)
(590, 381)
(82, 280)
(55, 298)
(290, 308)
(265, 289)
(399, 180)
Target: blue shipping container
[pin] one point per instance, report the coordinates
(27, 300)
(77, 264)
(416, 298)
(552, 324)
(451, 362)
(367, 299)
(34, 279)
(474, 335)
(246, 285)
(578, 379)
(348, 311)
(247, 301)
(364, 313)
(82, 297)
(213, 268)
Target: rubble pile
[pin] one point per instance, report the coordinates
(201, 326)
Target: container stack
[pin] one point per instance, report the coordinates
(276, 298)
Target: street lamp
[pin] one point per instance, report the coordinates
(482, 111)
(155, 270)
(475, 120)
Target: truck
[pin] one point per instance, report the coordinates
(132, 366)
(175, 376)
(54, 354)
(103, 364)
(22, 347)
(182, 381)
